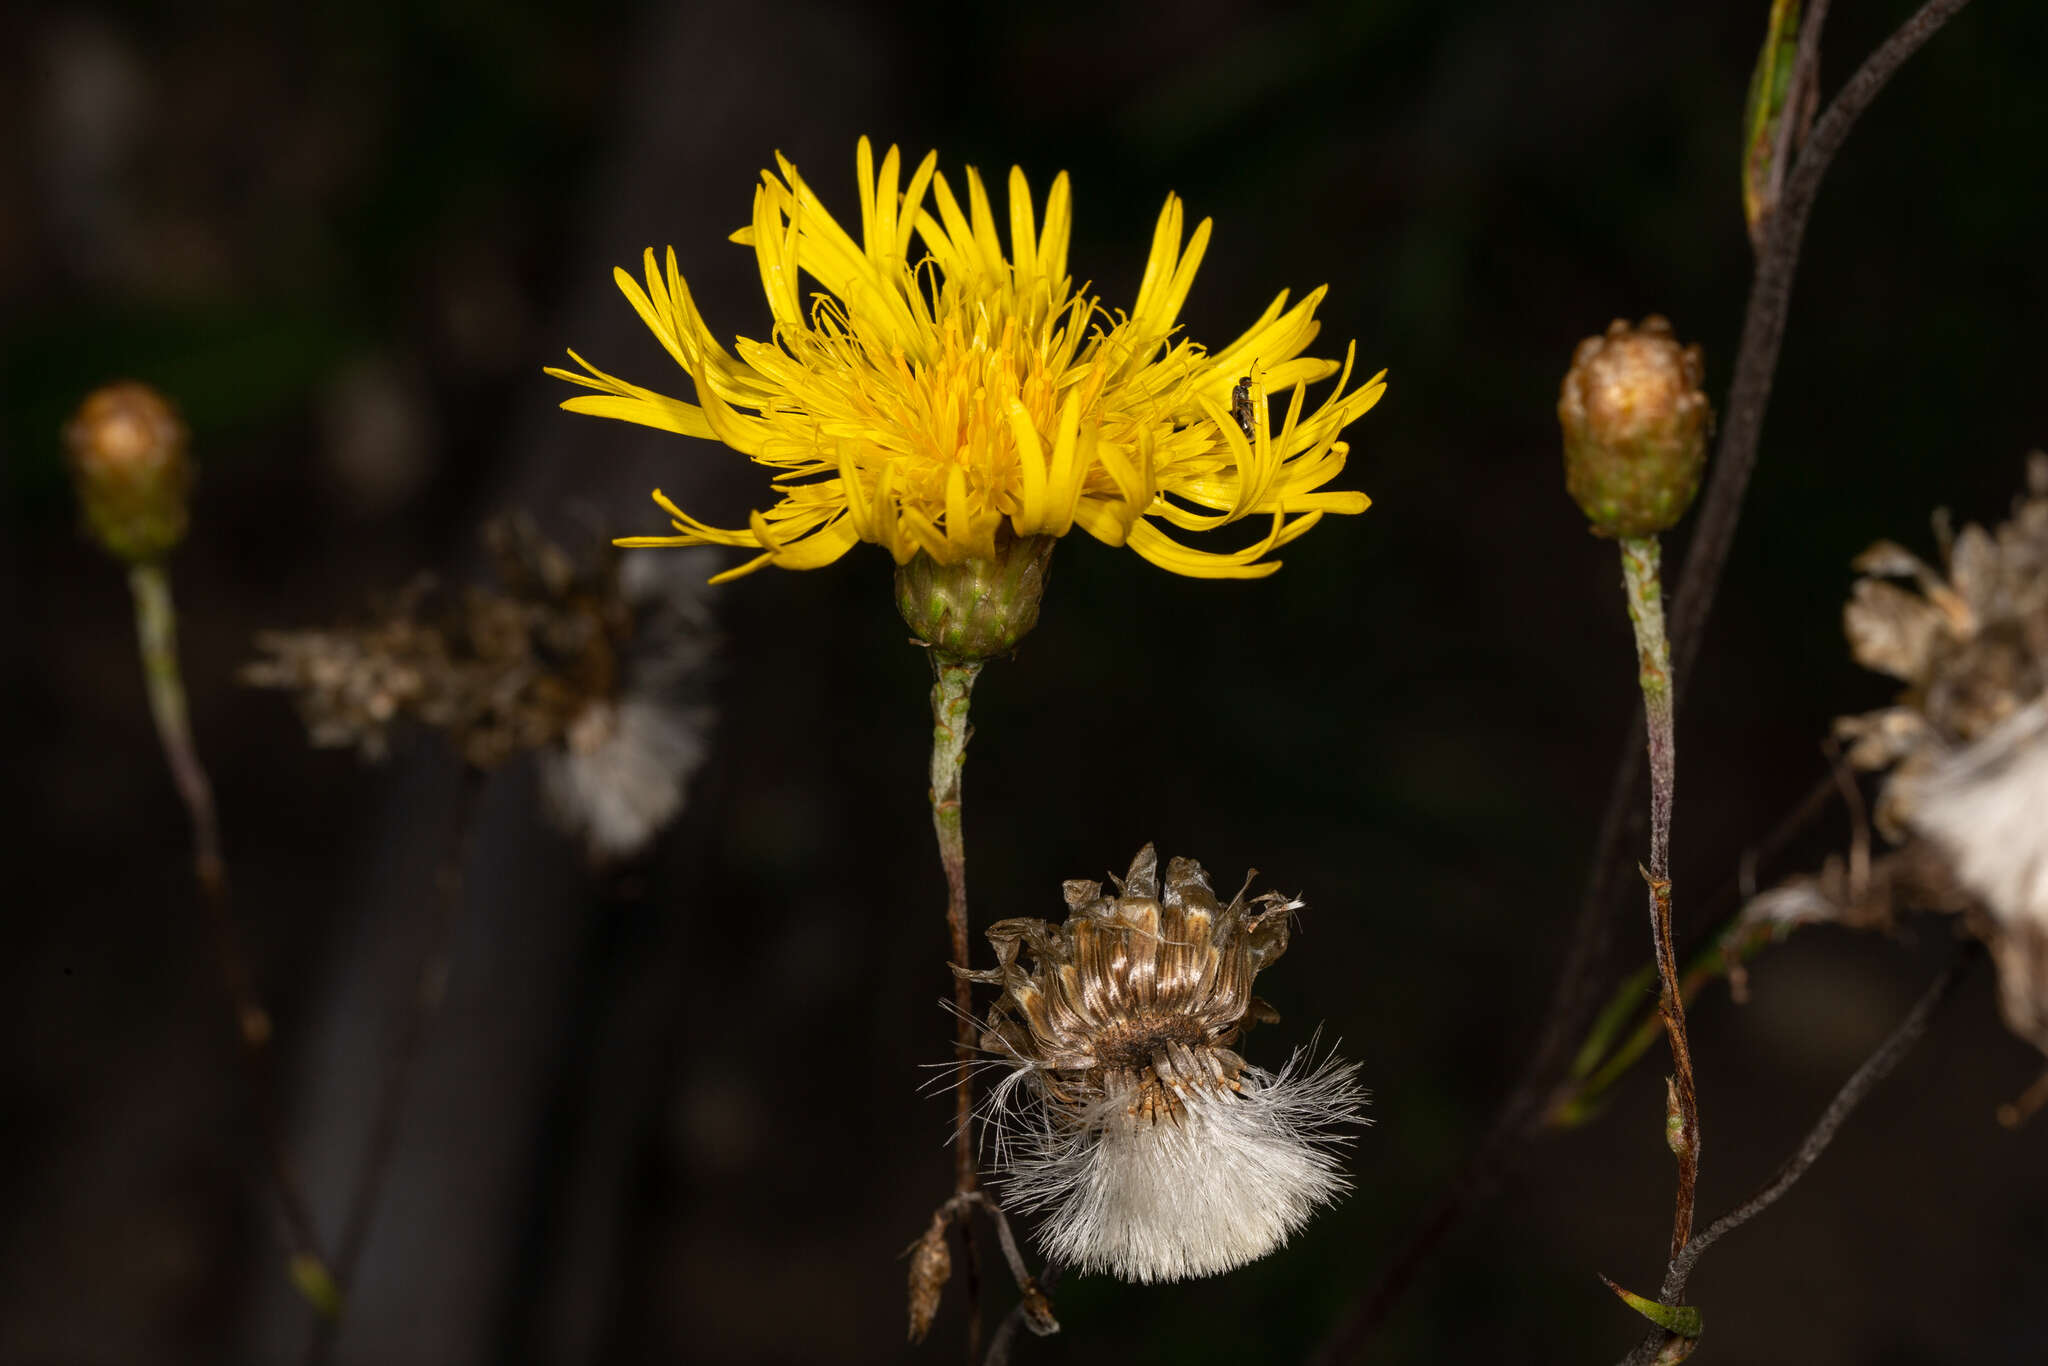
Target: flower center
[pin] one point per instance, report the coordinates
(943, 403)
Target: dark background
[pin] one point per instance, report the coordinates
(675, 1115)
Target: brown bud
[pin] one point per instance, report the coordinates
(976, 609)
(1635, 428)
(129, 460)
(931, 1266)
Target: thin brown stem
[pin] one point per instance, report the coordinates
(951, 691)
(1879, 1065)
(156, 631)
(422, 1005)
(1034, 1308)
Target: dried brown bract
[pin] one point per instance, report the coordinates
(1157, 1151)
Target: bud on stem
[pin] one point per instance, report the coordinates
(130, 463)
(1635, 428)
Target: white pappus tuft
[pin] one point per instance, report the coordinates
(1225, 1181)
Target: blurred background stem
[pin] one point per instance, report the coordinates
(156, 633)
(422, 1005)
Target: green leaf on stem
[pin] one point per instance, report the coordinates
(1619, 1012)
(1770, 94)
(1682, 1319)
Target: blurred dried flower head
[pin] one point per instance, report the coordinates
(1971, 644)
(1635, 425)
(596, 666)
(1155, 1150)
(1966, 745)
(131, 463)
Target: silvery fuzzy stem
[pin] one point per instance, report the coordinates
(1641, 576)
(950, 733)
(156, 634)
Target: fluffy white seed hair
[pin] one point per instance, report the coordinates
(625, 765)
(1988, 805)
(624, 783)
(1223, 1182)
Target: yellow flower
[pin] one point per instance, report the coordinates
(934, 401)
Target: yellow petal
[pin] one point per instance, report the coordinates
(1031, 472)
(1023, 230)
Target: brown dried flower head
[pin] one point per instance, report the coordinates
(131, 463)
(1157, 1151)
(1635, 425)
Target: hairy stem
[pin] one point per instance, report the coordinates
(1642, 576)
(156, 632)
(950, 733)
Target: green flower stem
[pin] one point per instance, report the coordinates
(1644, 582)
(950, 733)
(156, 633)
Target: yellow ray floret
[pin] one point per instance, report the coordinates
(935, 394)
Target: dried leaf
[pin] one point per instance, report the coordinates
(931, 1266)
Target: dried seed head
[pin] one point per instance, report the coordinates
(130, 461)
(976, 609)
(1635, 428)
(1155, 1149)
